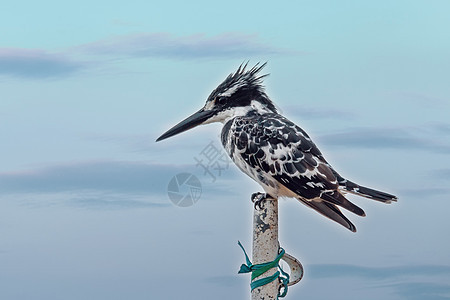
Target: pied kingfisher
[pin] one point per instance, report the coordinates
(272, 150)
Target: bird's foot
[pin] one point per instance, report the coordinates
(259, 198)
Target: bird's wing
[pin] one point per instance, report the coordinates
(274, 145)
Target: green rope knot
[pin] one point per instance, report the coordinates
(259, 269)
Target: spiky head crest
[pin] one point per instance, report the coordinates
(240, 88)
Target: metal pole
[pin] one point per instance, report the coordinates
(265, 244)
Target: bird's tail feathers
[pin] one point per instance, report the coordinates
(363, 191)
(330, 211)
(335, 197)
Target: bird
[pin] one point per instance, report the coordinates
(272, 150)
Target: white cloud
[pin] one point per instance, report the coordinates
(166, 45)
(35, 63)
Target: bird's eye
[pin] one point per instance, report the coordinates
(221, 100)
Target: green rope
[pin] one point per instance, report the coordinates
(259, 269)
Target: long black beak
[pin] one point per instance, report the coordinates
(188, 123)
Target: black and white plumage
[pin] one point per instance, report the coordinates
(273, 151)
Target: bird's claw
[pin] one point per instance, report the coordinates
(259, 198)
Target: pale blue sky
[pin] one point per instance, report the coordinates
(87, 87)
